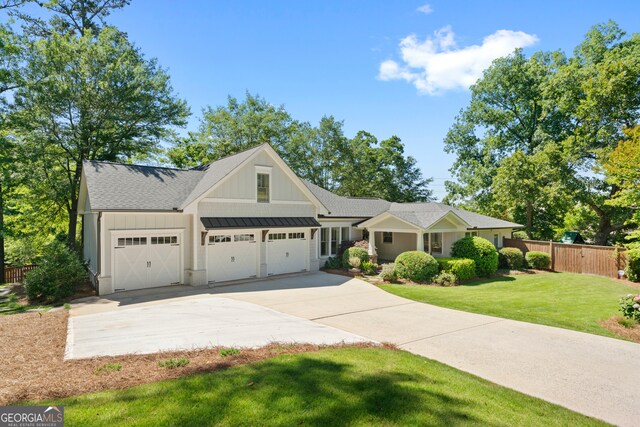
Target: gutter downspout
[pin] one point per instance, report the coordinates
(99, 252)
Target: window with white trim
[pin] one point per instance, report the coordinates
(436, 243)
(262, 184)
(496, 240)
(471, 234)
(387, 237)
(330, 239)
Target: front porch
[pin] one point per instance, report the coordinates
(389, 235)
(387, 245)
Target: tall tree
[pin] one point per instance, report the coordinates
(508, 113)
(579, 105)
(622, 167)
(599, 89)
(321, 155)
(10, 79)
(89, 97)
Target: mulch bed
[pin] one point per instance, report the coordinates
(612, 324)
(32, 366)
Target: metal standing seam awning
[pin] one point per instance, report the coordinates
(216, 223)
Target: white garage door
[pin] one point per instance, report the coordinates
(287, 252)
(232, 255)
(146, 260)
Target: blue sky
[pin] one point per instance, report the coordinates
(324, 57)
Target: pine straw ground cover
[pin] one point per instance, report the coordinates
(32, 365)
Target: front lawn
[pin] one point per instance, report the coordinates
(565, 300)
(349, 386)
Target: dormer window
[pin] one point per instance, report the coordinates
(263, 187)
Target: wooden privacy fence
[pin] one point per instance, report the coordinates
(16, 274)
(588, 259)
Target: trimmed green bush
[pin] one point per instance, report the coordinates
(522, 235)
(354, 252)
(445, 278)
(417, 266)
(369, 268)
(332, 263)
(57, 275)
(511, 258)
(632, 269)
(388, 272)
(630, 307)
(538, 260)
(463, 268)
(481, 251)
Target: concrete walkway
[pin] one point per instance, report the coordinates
(594, 375)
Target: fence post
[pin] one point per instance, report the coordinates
(553, 258)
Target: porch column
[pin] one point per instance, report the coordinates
(420, 241)
(372, 244)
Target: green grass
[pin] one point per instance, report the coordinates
(565, 300)
(330, 387)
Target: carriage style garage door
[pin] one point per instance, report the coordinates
(287, 251)
(232, 255)
(145, 260)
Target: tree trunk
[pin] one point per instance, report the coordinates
(604, 230)
(73, 222)
(2, 265)
(529, 220)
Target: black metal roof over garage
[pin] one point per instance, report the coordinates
(258, 222)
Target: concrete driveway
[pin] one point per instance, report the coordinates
(594, 375)
(189, 323)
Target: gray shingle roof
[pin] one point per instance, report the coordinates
(347, 207)
(426, 214)
(422, 215)
(114, 186)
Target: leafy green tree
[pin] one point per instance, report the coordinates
(579, 105)
(508, 114)
(321, 155)
(599, 89)
(89, 98)
(622, 167)
(526, 182)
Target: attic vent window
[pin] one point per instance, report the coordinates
(263, 187)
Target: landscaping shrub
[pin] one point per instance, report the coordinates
(522, 235)
(417, 266)
(225, 352)
(462, 268)
(369, 268)
(630, 307)
(354, 252)
(445, 279)
(538, 260)
(388, 272)
(481, 251)
(174, 363)
(511, 258)
(332, 263)
(57, 275)
(633, 265)
(354, 262)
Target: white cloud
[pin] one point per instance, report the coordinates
(426, 9)
(435, 64)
